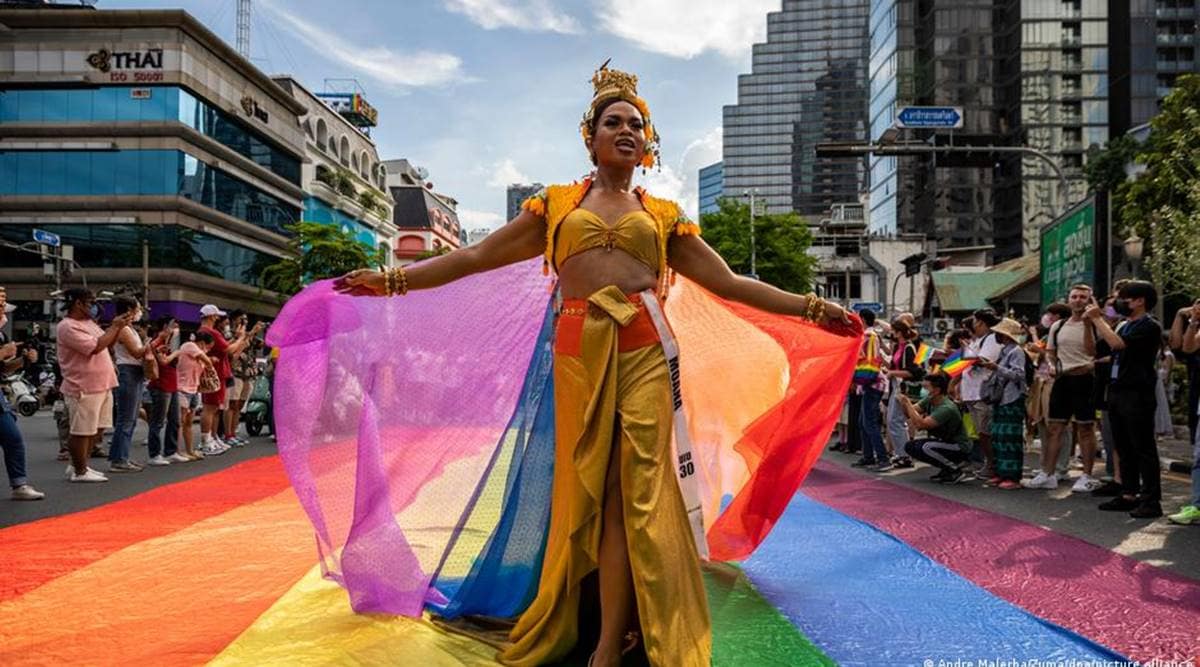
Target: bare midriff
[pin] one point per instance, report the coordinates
(585, 272)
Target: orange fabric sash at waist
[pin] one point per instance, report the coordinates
(568, 335)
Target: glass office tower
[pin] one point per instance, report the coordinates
(807, 85)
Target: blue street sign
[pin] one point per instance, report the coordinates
(46, 238)
(867, 305)
(930, 117)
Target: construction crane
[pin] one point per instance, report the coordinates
(243, 28)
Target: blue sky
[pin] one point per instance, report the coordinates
(487, 92)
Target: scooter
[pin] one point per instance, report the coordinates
(21, 395)
(257, 413)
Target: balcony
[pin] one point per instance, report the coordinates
(1174, 65)
(1070, 93)
(1072, 40)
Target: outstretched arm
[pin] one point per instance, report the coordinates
(521, 239)
(697, 261)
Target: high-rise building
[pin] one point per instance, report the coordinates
(807, 85)
(517, 194)
(1151, 43)
(711, 178)
(1064, 106)
(946, 53)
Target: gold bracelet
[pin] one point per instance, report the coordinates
(813, 306)
(402, 275)
(387, 283)
(818, 309)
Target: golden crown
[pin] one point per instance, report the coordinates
(610, 83)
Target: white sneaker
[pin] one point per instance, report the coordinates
(159, 460)
(70, 471)
(89, 476)
(26, 492)
(1041, 481)
(178, 458)
(1085, 484)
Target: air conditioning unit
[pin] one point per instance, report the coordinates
(943, 325)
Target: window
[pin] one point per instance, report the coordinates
(159, 103)
(120, 246)
(149, 172)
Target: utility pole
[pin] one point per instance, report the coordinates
(146, 274)
(753, 252)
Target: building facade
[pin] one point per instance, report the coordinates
(807, 85)
(1151, 44)
(946, 53)
(711, 183)
(426, 221)
(344, 181)
(517, 194)
(150, 146)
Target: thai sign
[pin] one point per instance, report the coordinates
(1068, 252)
(137, 66)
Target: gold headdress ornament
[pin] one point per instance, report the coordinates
(611, 84)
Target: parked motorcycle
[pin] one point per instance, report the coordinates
(21, 395)
(257, 413)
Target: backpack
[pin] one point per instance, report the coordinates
(866, 371)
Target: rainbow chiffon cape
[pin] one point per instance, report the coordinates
(418, 431)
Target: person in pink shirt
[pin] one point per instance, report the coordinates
(192, 360)
(88, 377)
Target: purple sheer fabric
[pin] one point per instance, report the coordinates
(388, 412)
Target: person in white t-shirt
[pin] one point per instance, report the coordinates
(983, 346)
(1071, 347)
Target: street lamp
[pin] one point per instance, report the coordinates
(751, 193)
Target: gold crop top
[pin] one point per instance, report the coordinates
(635, 233)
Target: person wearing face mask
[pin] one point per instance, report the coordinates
(129, 352)
(88, 377)
(1043, 385)
(1131, 399)
(1005, 389)
(11, 441)
(1111, 485)
(902, 371)
(946, 446)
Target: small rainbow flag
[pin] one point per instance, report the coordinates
(955, 364)
(924, 353)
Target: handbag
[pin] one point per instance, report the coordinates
(209, 381)
(992, 390)
(150, 367)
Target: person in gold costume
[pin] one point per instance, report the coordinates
(616, 504)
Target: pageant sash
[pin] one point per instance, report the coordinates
(686, 466)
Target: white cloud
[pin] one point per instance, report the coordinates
(528, 15)
(403, 69)
(687, 28)
(680, 182)
(472, 219)
(505, 173)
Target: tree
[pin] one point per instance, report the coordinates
(318, 251)
(1163, 203)
(781, 242)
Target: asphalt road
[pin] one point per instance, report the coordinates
(62, 497)
(1157, 542)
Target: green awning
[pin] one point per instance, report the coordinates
(967, 291)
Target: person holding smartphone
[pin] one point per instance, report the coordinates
(1183, 318)
(11, 441)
